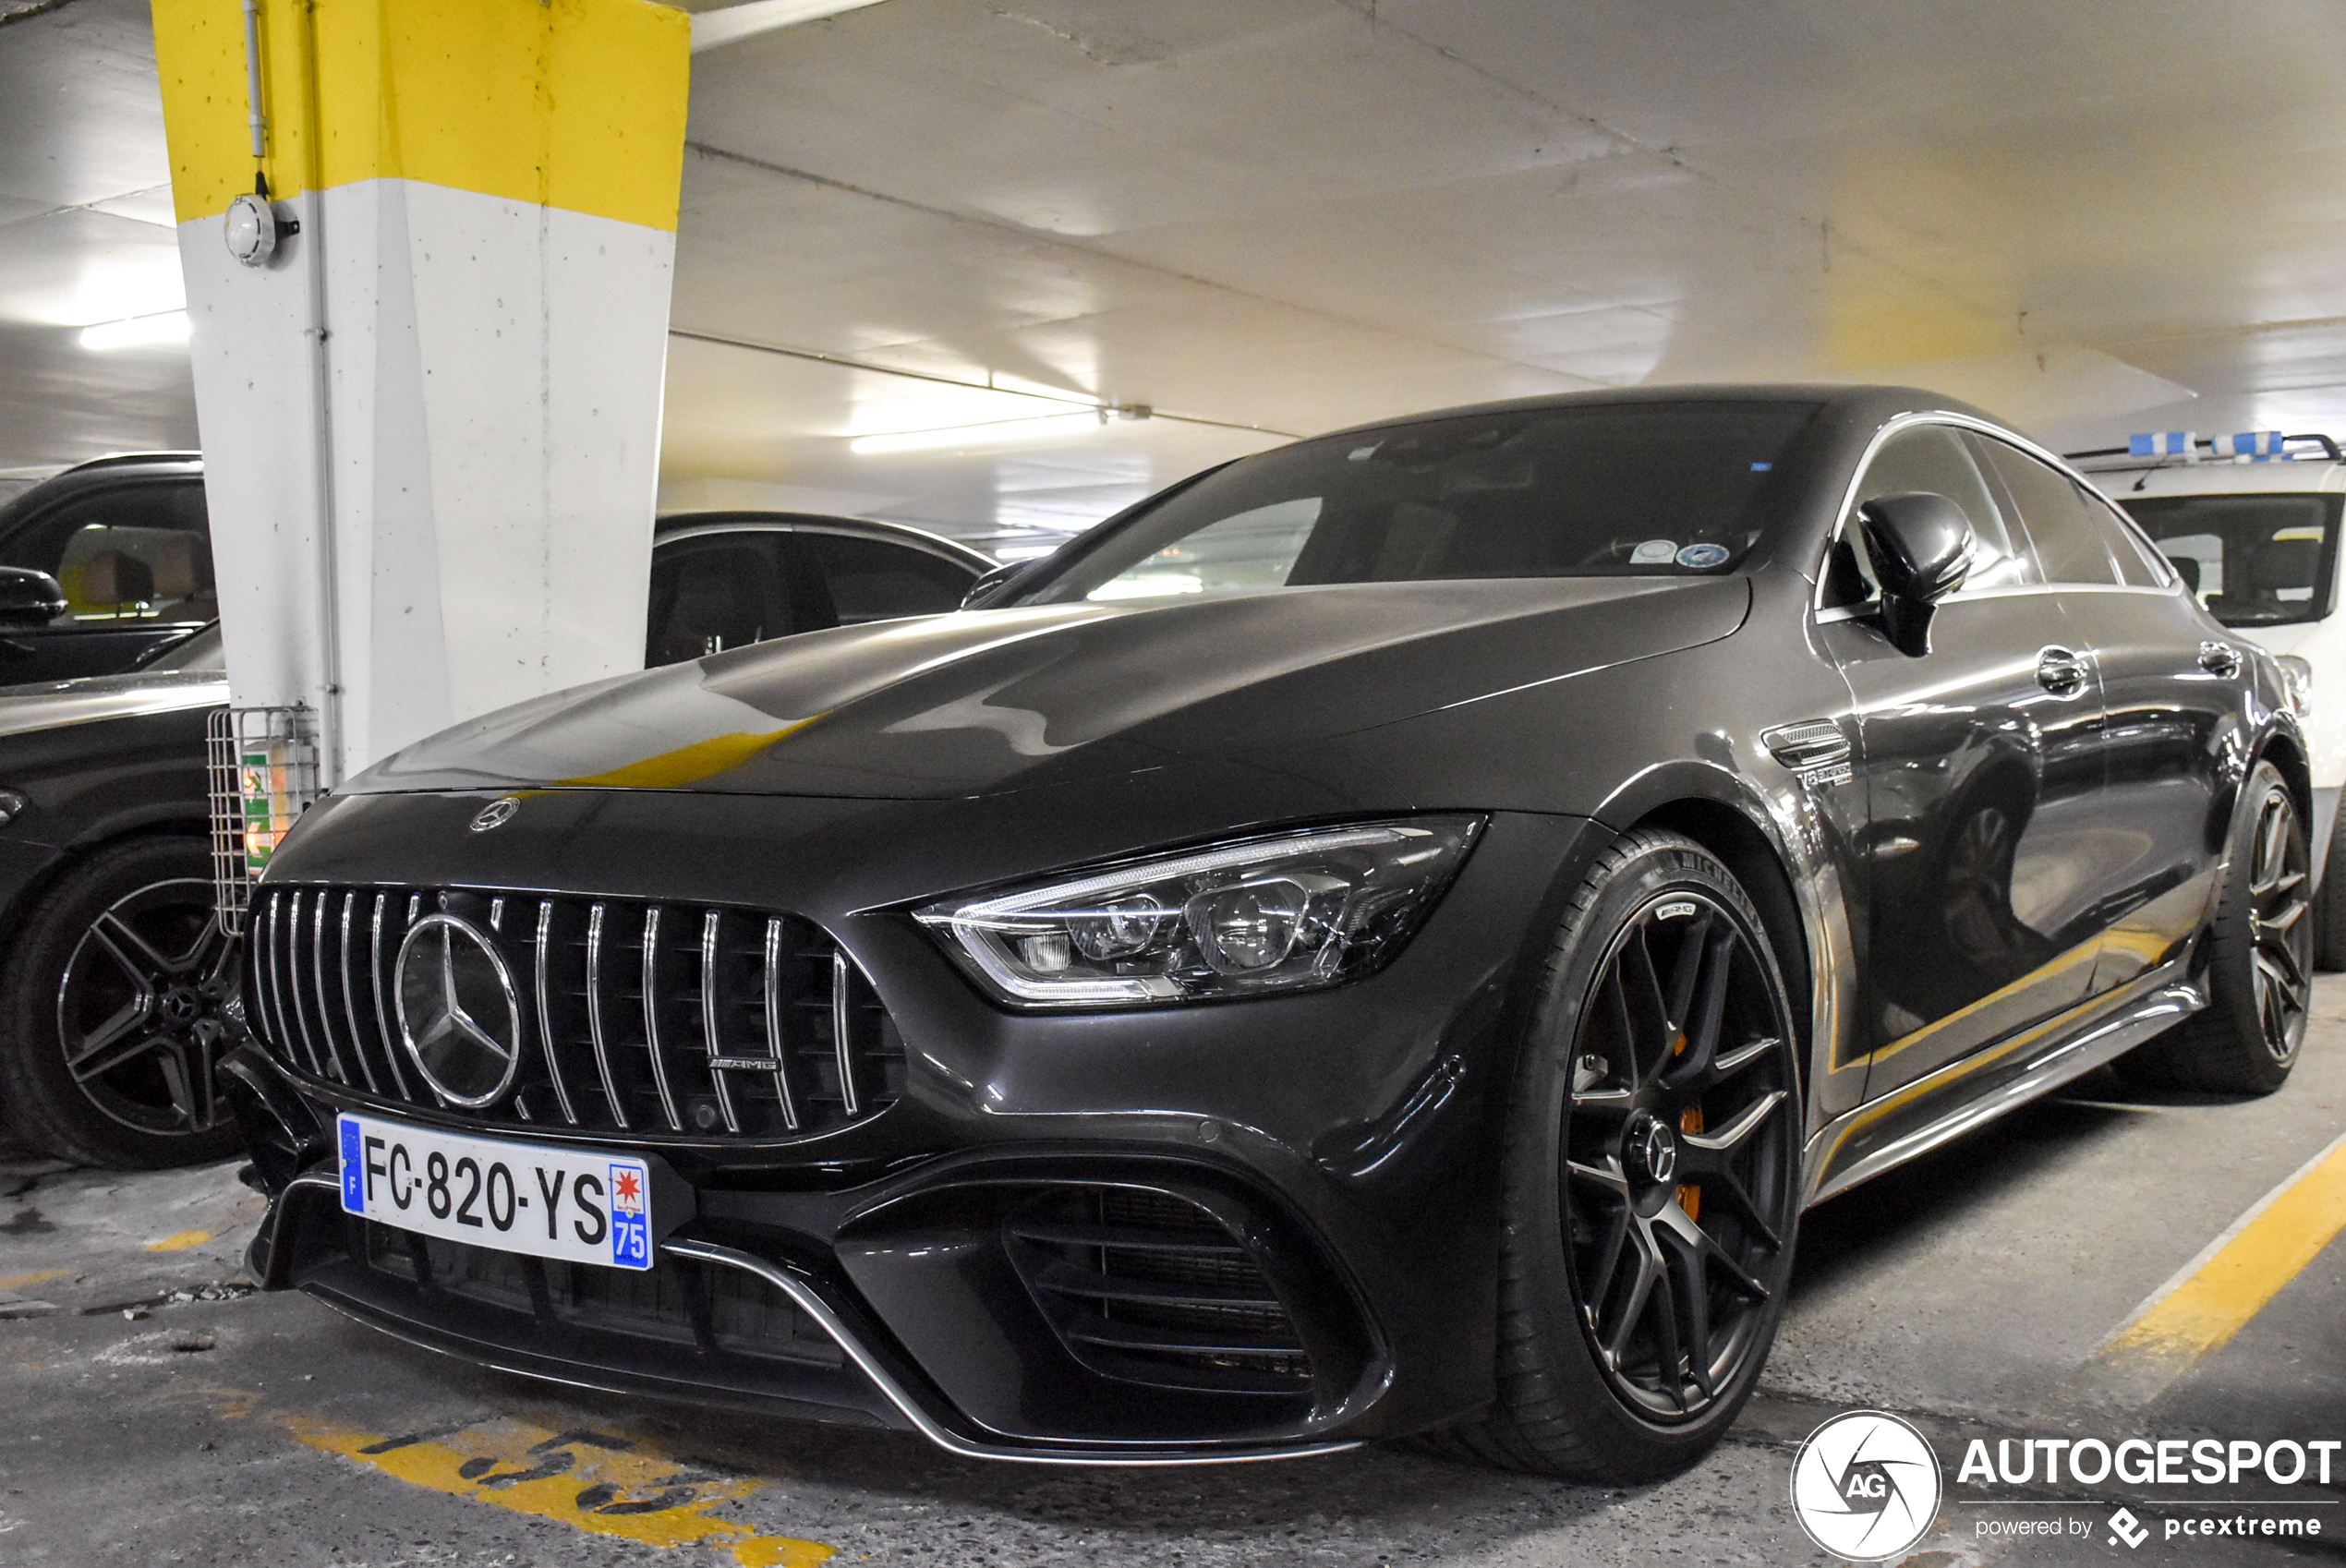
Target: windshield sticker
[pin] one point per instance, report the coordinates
(1654, 552)
(1701, 556)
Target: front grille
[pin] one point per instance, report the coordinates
(1152, 1288)
(635, 1016)
(679, 1303)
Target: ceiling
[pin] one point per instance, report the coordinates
(1255, 219)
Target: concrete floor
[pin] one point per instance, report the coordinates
(153, 1410)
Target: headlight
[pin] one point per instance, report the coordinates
(2297, 675)
(1284, 913)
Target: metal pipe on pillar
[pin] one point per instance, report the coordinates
(427, 251)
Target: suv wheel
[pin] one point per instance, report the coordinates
(111, 1011)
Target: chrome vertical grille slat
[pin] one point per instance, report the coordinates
(755, 1024)
(595, 1030)
(712, 924)
(318, 981)
(292, 986)
(546, 1038)
(777, 1010)
(377, 967)
(349, 996)
(651, 1020)
(844, 1025)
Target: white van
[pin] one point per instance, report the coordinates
(2251, 523)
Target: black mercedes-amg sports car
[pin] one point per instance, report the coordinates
(1384, 939)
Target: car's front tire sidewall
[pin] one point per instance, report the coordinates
(1553, 1392)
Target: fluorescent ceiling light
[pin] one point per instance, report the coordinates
(751, 17)
(1025, 552)
(987, 434)
(137, 332)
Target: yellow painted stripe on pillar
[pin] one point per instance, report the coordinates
(602, 1483)
(2199, 1313)
(578, 105)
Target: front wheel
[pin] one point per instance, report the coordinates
(1652, 1175)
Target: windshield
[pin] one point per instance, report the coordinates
(2253, 560)
(1604, 490)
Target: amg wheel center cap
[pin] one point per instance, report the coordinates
(180, 1005)
(1652, 1148)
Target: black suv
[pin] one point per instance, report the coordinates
(126, 538)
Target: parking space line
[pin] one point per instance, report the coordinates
(600, 1482)
(38, 1277)
(2212, 1299)
(180, 1241)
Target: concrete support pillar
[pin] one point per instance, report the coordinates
(431, 413)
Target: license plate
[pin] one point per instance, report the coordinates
(546, 1202)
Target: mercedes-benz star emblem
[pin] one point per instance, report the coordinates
(496, 814)
(459, 1012)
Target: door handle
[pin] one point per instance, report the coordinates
(2219, 658)
(2061, 672)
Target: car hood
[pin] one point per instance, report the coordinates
(991, 700)
(48, 704)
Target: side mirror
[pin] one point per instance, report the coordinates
(1921, 545)
(29, 597)
(990, 584)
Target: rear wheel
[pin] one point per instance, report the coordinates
(110, 1017)
(1652, 1177)
(2260, 959)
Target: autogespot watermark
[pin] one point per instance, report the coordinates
(1867, 1485)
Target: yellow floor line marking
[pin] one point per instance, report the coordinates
(38, 1276)
(180, 1242)
(597, 1481)
(2212, 1297)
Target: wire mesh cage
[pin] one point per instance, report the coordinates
(263, 772)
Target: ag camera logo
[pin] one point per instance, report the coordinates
(1865, 1486)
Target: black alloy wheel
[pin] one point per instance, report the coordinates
(115, 1007)
(1652, 1177)
(2259, 959)
(1680, 1104)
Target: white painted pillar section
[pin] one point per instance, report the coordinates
(430, 420)
(492, 382)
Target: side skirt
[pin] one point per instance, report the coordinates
(1919, 1116)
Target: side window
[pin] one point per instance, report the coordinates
(2139, 566)
(873, 580)
(1932, 458)
(137, 552)
(718, 592)
(2062, 521)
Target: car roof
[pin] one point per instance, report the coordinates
(2224, 477)
(678, 523)
(1859, 403)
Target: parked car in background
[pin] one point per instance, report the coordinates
(127, 540)
(2251, 523)
(114, 979)
(116, 991)
(1386, 936)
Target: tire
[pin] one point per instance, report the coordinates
(122, 950)
(2329, 904)
(2260, 959)
(1638, 1306)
